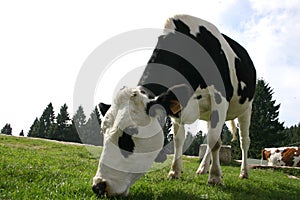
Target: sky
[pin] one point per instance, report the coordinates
(44, 45)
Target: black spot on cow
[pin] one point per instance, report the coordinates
(214, 119)
(159, 79)
(245, 71)
(125, 142)
(218, 98)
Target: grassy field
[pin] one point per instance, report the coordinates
(37, 169)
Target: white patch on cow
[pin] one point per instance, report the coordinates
(296, 160)
(275, 159)
(199, 108)
(191, 112)
(243, 85)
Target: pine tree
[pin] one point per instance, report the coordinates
(197, 140)
(61, 128)
(34, 129)
(292, 136)
(79, 122)
(79, 118)
(71, 135)
(187, 146)
(46, 122)
(265, 128)
(92, 130)
(7, 130)
(226, 136)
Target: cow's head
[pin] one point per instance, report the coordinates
(133, 140)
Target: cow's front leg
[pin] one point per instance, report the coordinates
(217, 119)
(179, 137)
(204, 165)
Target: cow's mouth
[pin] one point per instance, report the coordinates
(100, 189)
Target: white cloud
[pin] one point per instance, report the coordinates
(271, 36)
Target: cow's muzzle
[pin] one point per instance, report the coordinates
(100, 188)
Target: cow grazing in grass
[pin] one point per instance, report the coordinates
(195, 72)
(282, 156)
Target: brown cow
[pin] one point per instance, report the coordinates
(282, 156)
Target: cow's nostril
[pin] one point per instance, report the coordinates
(99, 188)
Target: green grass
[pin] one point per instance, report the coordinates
(37, 169)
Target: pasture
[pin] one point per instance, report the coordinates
(39, 169)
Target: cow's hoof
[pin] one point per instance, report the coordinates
(244, 175)
(173, 175)
(216, 180)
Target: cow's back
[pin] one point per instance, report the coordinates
(225, 64)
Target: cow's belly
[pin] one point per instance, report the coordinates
(200, 108)
(234, 110)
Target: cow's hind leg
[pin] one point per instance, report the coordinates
(244, 121)
(179, 137)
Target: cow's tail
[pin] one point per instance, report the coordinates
(232, 128)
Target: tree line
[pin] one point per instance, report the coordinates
(64, 128)
(265, 128)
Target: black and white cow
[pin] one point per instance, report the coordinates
(195, 72)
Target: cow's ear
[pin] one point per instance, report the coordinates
(153, 108)
(172, 101)
(163, 105)
(104, 108)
